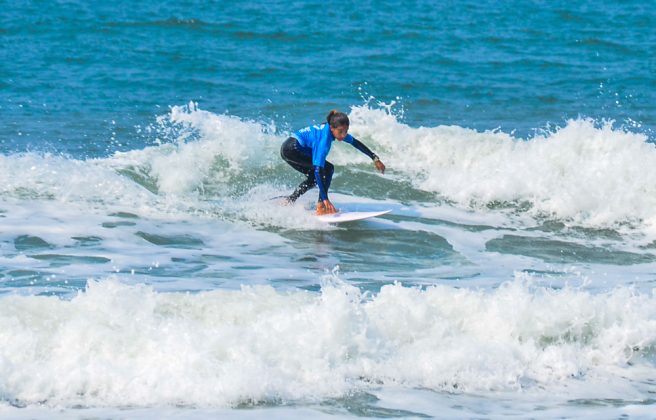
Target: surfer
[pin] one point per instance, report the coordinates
(307, 149)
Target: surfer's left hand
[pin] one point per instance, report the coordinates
(380, 166)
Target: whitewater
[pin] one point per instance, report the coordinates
(513, 276)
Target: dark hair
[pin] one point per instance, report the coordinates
(337, 119)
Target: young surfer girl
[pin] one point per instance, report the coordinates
(307, 149)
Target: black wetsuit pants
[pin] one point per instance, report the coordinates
(291, 153)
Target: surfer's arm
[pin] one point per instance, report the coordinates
(318, 176)
(324, 206)
(364, 149)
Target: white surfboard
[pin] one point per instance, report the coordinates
(350, 216)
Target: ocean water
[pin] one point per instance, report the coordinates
(145, 271)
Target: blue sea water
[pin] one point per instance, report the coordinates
(145, 272)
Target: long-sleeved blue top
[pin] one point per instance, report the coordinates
(316, 141)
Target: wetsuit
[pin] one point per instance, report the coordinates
(306, 151)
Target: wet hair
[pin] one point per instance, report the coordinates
(337, 119)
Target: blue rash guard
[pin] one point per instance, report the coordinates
(316, 141)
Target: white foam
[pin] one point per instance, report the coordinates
(585, 173)
(593, 175)
(33, 176)
(226, 146)
(118, 345)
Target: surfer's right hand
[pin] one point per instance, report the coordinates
(325, 207)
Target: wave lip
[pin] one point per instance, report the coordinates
(119, 345)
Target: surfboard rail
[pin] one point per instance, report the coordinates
(350, 216)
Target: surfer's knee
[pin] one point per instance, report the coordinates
(285, 148)
(329, 168)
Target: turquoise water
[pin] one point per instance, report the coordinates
(144, 270)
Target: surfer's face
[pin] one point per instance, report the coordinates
(339, 132)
